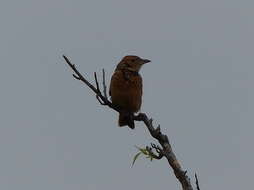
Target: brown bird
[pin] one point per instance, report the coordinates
(126, 88)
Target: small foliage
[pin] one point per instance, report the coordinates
(143, 151)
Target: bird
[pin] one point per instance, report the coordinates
(126, 88)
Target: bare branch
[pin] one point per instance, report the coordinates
(197, 184)
(96, 81)
(166, 149)
(75, 76)
(104, 84)
(100, 101)
(79, 76)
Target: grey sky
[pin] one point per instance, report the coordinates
(199, 87)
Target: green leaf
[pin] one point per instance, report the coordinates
(135, 158)
(143, 150)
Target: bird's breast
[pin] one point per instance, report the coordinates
(126, 92)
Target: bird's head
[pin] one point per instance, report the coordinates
(132, 63)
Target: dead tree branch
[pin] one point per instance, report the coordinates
(197, 183)
(166, 150)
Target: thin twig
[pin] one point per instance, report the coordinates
(197, 184)
(96, 81)
(75, 76)
(79, 76)
(104, 84)
(98, 89)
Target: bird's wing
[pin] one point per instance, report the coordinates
(117, 77)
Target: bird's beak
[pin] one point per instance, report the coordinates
(146, 61)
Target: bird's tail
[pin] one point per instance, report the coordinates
(126, 119)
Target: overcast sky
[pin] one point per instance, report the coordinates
(199, 86)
